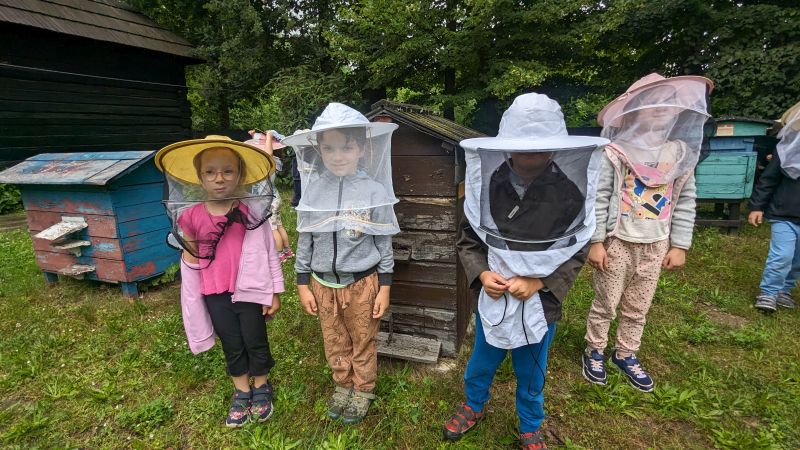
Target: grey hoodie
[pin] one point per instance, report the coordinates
(345, 256)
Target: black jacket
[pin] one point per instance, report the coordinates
(550, 204)
(776, 194)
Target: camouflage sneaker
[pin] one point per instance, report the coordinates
(532, 441)
(461, 422)
(766, 303)
(261, 405)
(239, 413)
(785, 300)
(338, 402)
(357, 408)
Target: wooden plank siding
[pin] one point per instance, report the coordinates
(424, 291)
(68, 94)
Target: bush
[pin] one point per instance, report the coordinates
(10, 199)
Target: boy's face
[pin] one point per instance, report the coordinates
(528, 164)
(340, 154)
(219, 173)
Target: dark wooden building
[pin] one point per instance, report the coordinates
(430, 295)
(88, 75)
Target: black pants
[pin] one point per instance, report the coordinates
(243, 331)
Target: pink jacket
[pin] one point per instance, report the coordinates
(259, 277)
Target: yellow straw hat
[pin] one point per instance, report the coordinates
(178, 159)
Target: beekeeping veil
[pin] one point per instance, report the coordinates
(657, 126)
(259, 140)
(185, 189)
(789, 145)
(345, 172)
(530, 197)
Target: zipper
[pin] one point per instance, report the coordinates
(335, 241)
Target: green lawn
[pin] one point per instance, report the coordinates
(80, 367)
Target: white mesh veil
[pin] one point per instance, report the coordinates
(345, 172)
(211, 185)
(789, 146)
(530, 197)
(658, 126)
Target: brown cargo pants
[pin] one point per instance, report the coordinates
(349, 331)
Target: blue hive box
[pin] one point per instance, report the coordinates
(97, 215)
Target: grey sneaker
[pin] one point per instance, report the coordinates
(339, 401)
(785, 300)
(357, 409)
(766, 303)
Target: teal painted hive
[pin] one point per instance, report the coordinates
(742, 126)
(726, 176)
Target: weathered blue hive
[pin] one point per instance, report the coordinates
(97, 215)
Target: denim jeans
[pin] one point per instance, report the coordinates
(783, 262)
(530, 366)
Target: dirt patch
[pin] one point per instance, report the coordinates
(724, 318)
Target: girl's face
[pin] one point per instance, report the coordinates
(340, 153)
(219, 173)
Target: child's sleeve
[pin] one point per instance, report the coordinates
(769, 180)
(605, 187)
(196, 320)
(274, 263)
(386, 265)
(682, 225)
(302, 261)
(472, 253)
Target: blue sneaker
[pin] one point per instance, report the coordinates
(594, 368)
(239, 414)
(632, 369)
(261, 402)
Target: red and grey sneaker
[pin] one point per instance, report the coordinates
(262, 402)
(239, 413)
(461, 422)
(532, 441)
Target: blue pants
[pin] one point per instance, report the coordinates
(783, 262)
(486, 359)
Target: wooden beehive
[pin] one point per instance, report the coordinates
(97, 215)
(430, 297)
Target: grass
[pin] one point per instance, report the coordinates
(80, 367)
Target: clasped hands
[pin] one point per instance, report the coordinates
(522, 288)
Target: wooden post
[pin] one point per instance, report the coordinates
(129, 290)
(50, 278)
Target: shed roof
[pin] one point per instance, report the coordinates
(93, 169)
(745, 119)
(425, 120)
(102, 20)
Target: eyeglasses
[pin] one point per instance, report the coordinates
(227, 174)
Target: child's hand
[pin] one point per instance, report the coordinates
(598, 257)
(270, 311)
(307, 299)
(676, 257)
(381, 302)
(493, 284)
(523, 288)
(755, 218)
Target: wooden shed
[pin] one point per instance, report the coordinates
(430, 295)
(88, 75)
(95, 215)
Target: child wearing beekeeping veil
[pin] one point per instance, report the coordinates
(218, 197)
(776, 197)
(344, 259)
(527, 222)
(645, 211)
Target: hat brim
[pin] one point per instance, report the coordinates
(548, 144)
(178, 159)
(304, 138)
(789, 114)
(616, 106)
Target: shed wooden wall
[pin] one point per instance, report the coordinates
(425, 297)
(56, 112)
